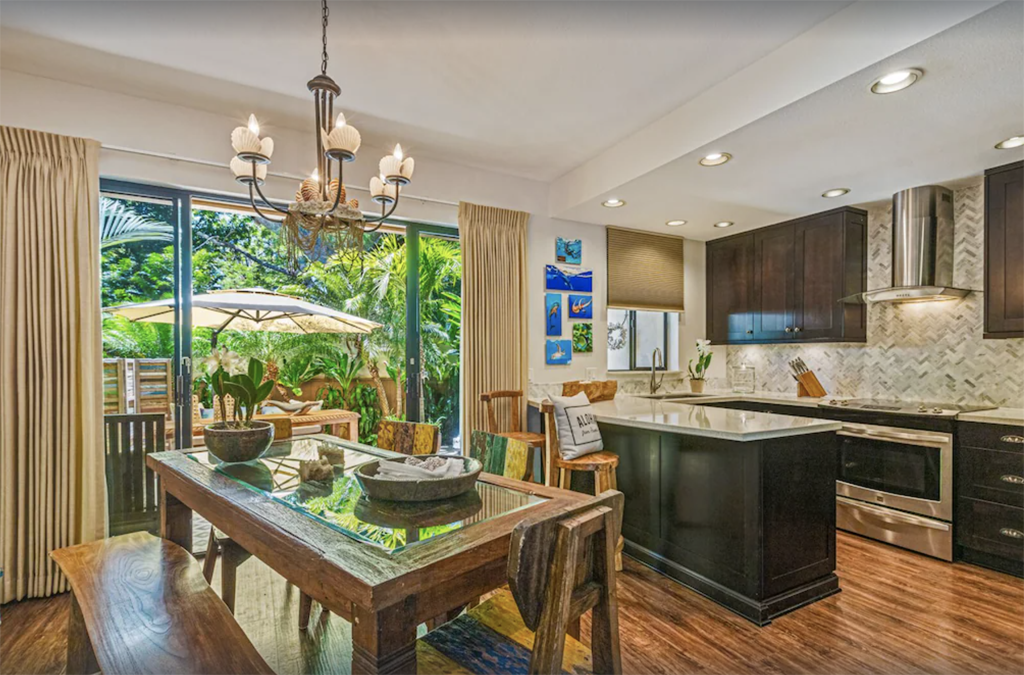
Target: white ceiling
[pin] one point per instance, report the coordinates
(596, 98)
(531, 88)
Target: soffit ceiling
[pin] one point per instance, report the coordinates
(596, 99)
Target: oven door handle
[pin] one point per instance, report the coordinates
(894, 517)
(874, 434)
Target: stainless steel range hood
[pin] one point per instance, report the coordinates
(922, 249)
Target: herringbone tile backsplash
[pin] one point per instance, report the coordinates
(927, 351)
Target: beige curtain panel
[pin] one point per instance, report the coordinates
(493, 308)
(52, 486)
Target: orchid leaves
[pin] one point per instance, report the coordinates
(247, 389)
(703, 360)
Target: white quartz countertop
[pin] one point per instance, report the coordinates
(758, 397)
(695, 420)
(995, 416)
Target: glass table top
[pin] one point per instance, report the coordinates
(341, 505)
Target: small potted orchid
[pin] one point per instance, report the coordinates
(240, 439)
(698, 373)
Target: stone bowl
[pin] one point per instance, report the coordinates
(231, 445)
(417, 490)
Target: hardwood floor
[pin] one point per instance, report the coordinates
(898, 612)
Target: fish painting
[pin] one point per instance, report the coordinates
(559, 279)
(558, 352)
(581, 307)
(569, 251)
(553, 312)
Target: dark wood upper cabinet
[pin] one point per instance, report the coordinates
(798, 272)
(1004, 251)
(730, 278)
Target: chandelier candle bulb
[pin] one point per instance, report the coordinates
(243, 171)
(343, 136)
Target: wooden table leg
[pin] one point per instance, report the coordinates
(384, 641)
(175, 520)
(81, 658)
(353, 431)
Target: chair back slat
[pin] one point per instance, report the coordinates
(501, 455)
(513, 411)
(132, 498)
(409, 438)
(561, 566)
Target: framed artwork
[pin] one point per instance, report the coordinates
(559, 279)
(558, 352)
(583, 338)
(553, 313)
(581, 306)
(569, 251)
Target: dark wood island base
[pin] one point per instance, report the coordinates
(749, 524)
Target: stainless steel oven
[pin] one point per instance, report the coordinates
(896, 485)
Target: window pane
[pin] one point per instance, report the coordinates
(618, 339)
(650, 334)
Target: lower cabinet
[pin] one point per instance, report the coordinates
(990, 503)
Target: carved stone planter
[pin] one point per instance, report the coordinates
(229, 444)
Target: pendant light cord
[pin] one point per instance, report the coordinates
(323, 56)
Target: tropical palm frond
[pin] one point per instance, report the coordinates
(120, 225)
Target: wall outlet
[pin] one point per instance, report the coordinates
(529, 375)
(591, 374)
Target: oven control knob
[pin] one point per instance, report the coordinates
(921, 408)
(937, 411)
(832, 402)
(844, 403)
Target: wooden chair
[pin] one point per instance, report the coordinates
(501, 455)
(559, 567)
(534, 441)
(409, 438)
(139, 605)
(602, 464)
(132, 496)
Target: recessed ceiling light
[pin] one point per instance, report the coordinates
(724, 223)
(901, 79)
(715, 159)
(613, 203)
(834, 192)
(675, 223)
(1011, 142)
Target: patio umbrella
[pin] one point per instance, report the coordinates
(250, 309)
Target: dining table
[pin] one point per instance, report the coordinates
(384, 566)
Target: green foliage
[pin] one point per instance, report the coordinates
(247, 389)
(364, 401)
(119, 224)
(343, 368)
(296, 371)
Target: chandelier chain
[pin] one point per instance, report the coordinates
(323, 55)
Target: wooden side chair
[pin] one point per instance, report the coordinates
(409, 438)
(559, 567)
(501, 455)
(602, 464)
(534, 441)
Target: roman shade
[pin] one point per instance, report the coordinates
(645, 270)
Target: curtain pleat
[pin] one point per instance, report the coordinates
(493, 309)
(52, 481)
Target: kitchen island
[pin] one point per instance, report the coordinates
(737, 505)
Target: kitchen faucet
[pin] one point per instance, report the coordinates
(656, 362)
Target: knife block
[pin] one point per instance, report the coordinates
(808, 385)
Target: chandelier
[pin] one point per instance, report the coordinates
(320, 212)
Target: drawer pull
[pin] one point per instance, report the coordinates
(1010, 478)
(1011, 533)
(1019, 440)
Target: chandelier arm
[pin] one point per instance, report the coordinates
(252, 200)
(384, 216)
(262, 196)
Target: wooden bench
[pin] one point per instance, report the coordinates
(140, 604)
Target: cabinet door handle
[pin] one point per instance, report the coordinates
(1019, 440)
(796, 330)
(788, 329)
(1010, 478)
(1011, 533)
(750, 332)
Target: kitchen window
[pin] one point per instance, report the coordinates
(633, 335)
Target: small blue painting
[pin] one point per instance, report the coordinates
(558, 279)
(559, 352)
(581, 306)
(569, 251)
(553, 313)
